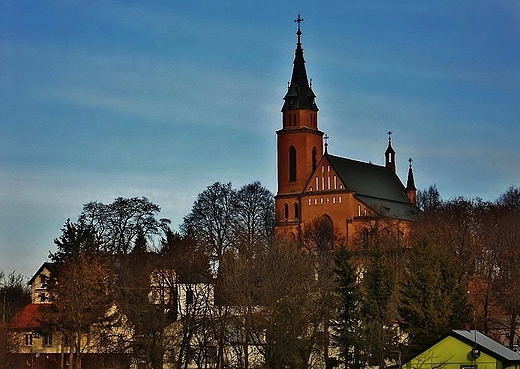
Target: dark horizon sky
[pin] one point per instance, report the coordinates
(161, 99)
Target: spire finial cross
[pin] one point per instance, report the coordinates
(326, 138)
(299, 32)
(389, 136)
(410, 161)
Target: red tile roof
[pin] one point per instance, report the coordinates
(28, 318)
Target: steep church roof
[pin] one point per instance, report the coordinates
(376, 186)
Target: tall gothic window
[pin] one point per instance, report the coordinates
(314, 159)
(296, 210)
(292, 164)
(286, 211)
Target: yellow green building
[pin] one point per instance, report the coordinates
(463, 349)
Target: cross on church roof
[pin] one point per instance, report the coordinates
(299, 32)
(326, 138)
(389, 136)
(410, 161)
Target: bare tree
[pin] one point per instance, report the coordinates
(211, 219)
(81, 288)
(118, 224)
(14, 295)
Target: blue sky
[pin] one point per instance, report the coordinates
(160, 99)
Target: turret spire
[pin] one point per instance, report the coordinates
(390, 154)
(411, 191)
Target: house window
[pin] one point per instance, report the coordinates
(47, 339)
(189, 296)
(42, 297)
(292, 164)
(28, 339)
(43, 280)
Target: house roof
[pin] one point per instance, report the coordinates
(487, 345)
(28, 318)
(47, 265)
(376, 186)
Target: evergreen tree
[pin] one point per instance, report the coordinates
(432, 300)
(377, 290)
(347, 328)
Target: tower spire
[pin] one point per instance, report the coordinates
(299, 93)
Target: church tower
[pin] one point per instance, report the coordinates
(299, 143)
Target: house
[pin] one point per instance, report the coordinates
(465, 349)
(314, 184)
(40, 346)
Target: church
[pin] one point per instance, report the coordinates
(314, 185)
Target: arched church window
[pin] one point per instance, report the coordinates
(335, 182)
(292, 164)
(317, 184)
(286, 211)
(296, 210)
(314, 159)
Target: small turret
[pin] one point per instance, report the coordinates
(390, 154)
(411, 191)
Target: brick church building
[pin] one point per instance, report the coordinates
(316, 185)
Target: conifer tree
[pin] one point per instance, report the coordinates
(432, 300)
(377, 290)
(347, 328)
